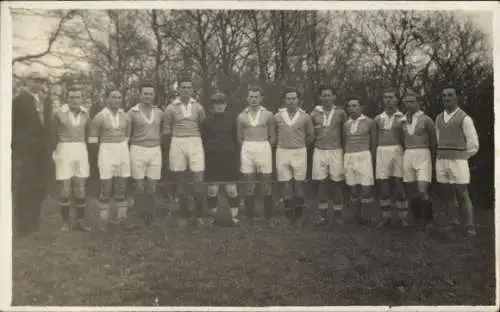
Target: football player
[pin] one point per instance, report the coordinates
(181, 132)
(221, 154)
(256, 135)
(420, 147)
(294, 132)
(359, 134)
(145, 150)
(457, 141)
(328, 155)
(70, 125)
(389, 159)
(110, 128)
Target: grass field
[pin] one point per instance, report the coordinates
(252, 265)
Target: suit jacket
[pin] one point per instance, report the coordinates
(31, 139)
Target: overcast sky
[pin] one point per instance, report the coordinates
(30, 34)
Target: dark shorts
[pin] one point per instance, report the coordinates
(221, 166)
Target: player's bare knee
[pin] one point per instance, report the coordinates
(462, 192)
(64, 189)
(266, 185)
(120, 192)
(150, 186)
(232, 191)
(79, 188)
(212, 190)
(198, 177)
(139, 187)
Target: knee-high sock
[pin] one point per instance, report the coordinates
(212, 203)
(184, 207)
(234, 204)
(250, 206)
(103, 210)
(385, 208)
(199, 202)
(80, 206)
(402, 207)
(268, 206)
(428, 209)
(299, 207)
(64, 206)
(289, 209)
(416, 208)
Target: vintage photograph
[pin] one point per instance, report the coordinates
(252, 158)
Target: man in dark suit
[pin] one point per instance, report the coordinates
(31, 154)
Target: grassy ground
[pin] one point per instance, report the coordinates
(252, 265)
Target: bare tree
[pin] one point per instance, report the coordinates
(62, 17)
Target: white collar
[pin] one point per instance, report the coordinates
(449, 115)
(36, 96)
(361, 117)
(413, 124)
(388, 121)
(290, 121)
(261, 108)
(115, 120)
(355, 122)
(178, 101)
(255, 121)
(326, 119)
(65, 108)
(320, 108)
(148, 120)
(106, 110)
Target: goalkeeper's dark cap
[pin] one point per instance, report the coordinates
(218, 97)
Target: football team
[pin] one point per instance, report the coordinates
(398, 153)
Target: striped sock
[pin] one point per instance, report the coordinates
(103, 210)
(64, 206)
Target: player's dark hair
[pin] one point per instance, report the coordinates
(290, 90)
(184, 79)
(417, 96)
(73, 89)
(326, 87)
(145, 84)
(390, 90)
(255, 89)
(108, 91)
(457, 89)
(354, 97)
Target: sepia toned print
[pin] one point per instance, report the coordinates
(252, 158)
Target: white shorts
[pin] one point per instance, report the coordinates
(389, 162)
(417, 165)
(114, 160)
(145, 162)
(358, 168)
(291, 164)
(328, 163)
(452, 171)
(256, 157)
(186, 153)
(71, 159)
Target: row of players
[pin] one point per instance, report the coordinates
(397, 150)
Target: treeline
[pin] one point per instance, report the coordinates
(355, 51)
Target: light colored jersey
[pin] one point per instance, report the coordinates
(416, 132)
(109, 128)
(70, 127)
(257, 127)
(357, 134)
(181, 120)
(145, 131)
(293, 131)
(389, 128)
(328, 127)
